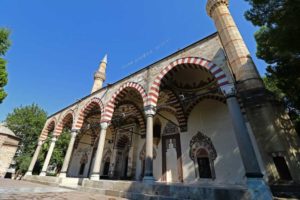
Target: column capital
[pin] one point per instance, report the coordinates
(150, 110)
(213, 4)
(229, 90)
(53, 139)
(104, 125)
(74, 134)
(40, 142)
(75, 130)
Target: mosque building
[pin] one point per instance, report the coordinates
(201, 116)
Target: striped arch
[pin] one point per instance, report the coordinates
(121, 92)
(65, 119)
(179, 113)
(47, 128)
(208, 96)
(139, 116)
(86, 109)
(216, 71)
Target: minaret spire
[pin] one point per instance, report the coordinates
(99, 76)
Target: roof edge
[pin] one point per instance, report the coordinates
(138, 71)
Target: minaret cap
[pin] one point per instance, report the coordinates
(212, 4)
(104, 59)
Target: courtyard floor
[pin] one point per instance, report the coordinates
(15, 189)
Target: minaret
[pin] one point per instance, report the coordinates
(239, 58)
(99, 76)
(262, 111)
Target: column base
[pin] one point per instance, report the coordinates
(148, 179)
(63, 175)
(259, 189)
(95, 177)
(43, 174)
(28, 173)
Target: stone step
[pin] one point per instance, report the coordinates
(127, 195)
(157, 191)
(70, 182)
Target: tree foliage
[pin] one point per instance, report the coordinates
(27, 123)
(4, 45)
(59, 151)
(278, 43)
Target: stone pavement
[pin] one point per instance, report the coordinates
(15, 189)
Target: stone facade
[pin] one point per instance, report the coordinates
(8, 147)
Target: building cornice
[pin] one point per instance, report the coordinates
(213, 4)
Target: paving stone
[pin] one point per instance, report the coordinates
(22, 190)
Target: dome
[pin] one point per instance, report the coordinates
(5, 130)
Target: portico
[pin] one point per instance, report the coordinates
(178, 122)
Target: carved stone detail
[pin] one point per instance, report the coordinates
(170, 129)
(202, 141)
(150, 110)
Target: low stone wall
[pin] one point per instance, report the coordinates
(48, 180)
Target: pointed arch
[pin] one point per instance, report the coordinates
(179, 112)
(203, 153)
(67, 117)
(49, 126)
(117, 96)
(201, 141)
(139, 117)
(86, 109)
(189, 62)
(215, 97)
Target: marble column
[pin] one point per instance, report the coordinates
(34, 158)
(256, 184)
(66, 163)
(148, 177)
(98, 158)
(48, 157)
(242, 136)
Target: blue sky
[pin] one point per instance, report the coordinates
(57, 45)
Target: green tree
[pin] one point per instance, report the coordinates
(27, 123)
(59, 151)
(4, 45)
(278, 43)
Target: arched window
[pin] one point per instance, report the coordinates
(203, 153)
(281, 166)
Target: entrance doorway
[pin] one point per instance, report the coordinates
(121, 165)
(171, 154)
